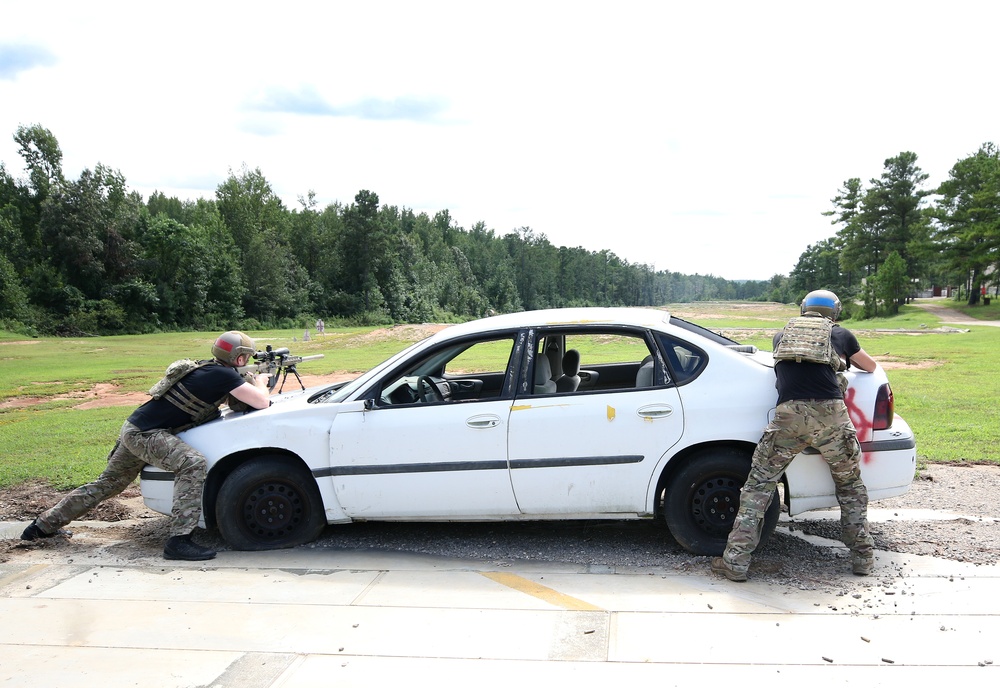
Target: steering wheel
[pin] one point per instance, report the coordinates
(427, 390)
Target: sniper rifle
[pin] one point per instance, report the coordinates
(276, 363)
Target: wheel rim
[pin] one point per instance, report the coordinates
(714, 504)
(273, 510)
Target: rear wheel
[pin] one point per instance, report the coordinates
(269, 503)
(703, 497)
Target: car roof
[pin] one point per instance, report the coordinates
(642, 317)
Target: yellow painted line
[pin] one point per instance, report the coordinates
(19, 575)
(540, 592)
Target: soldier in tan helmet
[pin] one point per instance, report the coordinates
(189, 395)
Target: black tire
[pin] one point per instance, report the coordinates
(702, 499)
(269, 503)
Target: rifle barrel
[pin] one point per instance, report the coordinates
(276, 363)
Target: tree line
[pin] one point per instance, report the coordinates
(90, 256)
(896, 237)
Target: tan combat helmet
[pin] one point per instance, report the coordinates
(231, 345)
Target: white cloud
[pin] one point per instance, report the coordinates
(695, 137)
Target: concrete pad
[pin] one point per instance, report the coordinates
(26, 666)
(303, 587)
(971, 593)
(310, 629)
(446, 589)
(800, 639)
(307, 617)
(365, 672)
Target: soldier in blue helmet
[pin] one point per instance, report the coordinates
(809, 353)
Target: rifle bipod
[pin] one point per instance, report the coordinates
(284, 376)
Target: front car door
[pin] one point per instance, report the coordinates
(433, 443)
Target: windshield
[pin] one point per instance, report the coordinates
(351, 387)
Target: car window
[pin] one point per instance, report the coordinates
(463, 371)
(591, 361)
(685, 361)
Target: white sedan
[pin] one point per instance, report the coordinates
(583, 413)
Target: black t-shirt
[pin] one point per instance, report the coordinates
(813, 380)
(210, 384)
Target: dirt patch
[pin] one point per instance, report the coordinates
(410, 333)
(101, 394)
(27, 500)
(895, 364)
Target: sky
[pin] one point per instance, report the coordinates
(694, 137)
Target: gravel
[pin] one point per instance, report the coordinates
(958, 519)
(951, 512)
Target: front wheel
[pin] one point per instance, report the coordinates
(703, 497)
(269, 503)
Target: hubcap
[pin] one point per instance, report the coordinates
(714, 504)
(272, 510)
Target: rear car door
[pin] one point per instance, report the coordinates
(592, 450)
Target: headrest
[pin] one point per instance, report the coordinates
(571, 362)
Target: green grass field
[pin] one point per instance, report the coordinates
(945, 385)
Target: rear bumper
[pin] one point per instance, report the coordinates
(888, 464)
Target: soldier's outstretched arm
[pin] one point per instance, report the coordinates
(864, 361)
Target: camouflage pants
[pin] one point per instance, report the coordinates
(825, 425)
(134, 449)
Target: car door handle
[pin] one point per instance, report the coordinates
(655, 411)
(483, 421)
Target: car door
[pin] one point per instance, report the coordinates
(592, 451)
(413, 457)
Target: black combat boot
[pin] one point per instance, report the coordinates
(33, 532)
(183, 547)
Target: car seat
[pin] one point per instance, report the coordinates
(544, 384)
(570, 379)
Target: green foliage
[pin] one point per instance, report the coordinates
(87, 256)
(891, 285)
(13, 297)
(819, 268)
(42, 156)
(953, 242)
(884, 218)
(967, 219)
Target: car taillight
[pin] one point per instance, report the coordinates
(884, 408)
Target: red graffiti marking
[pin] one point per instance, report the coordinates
(862, 422)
